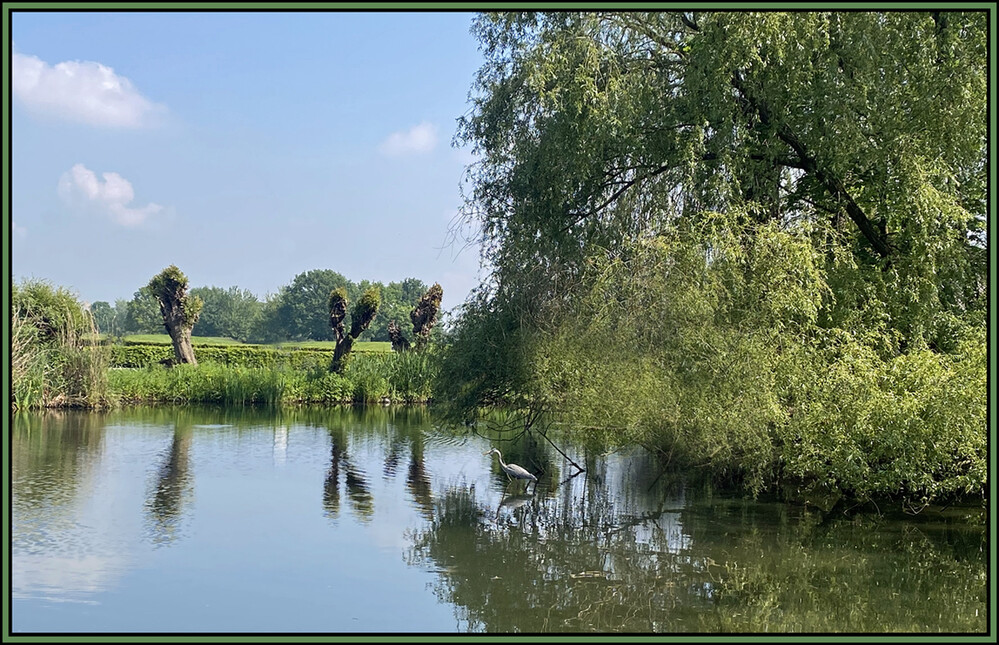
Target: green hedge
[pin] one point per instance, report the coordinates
(134, 355)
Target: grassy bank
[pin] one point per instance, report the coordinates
(59, 360)
(369, 378)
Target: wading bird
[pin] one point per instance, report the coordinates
(513, 471)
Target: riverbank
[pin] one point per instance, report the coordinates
(368, 379)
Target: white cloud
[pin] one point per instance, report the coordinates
(418, 139)
(80, 188)
(85, 92)
(18, 231)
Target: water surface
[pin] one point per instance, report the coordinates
(331, 521)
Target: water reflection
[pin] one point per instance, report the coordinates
(355, 480)
(616, 549)
(171, 494)
(570, 558)
(418, 478)
(56, 454)
(56, 462)
(331, 485)
(584, 561)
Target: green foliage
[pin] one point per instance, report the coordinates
(749, 241)
(53, 311)
(53, 359)
(144, 355)
(320, 386)
(303, 307)
(369, 379)
(397, 301)
(484, 361)
(28, 364)
(424, 315)
(364, 311)
(410, 375)
(199, 384)
(140, 315)
(145, 350)
(105, 318)
(231, 313)
(169, 287)
(914, 425)
(301, 377)
(299, 311)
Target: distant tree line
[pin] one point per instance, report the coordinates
(298, 311)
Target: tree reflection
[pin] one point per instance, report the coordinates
(362, 501)
(537, 564)
(418, 479)
(584, 560)
(331, 484)
(173, 489)
(355, 480)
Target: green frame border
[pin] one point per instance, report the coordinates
(108, 6)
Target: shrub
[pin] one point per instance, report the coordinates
(54, 360)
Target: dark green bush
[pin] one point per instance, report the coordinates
(144, 355)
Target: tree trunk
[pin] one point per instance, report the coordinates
(183, 352)
(399, 342)
(343, 346)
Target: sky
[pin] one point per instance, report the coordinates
(243, 147)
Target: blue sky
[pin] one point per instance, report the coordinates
(243, 147)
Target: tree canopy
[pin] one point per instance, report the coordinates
(692, 218)
(230, 313)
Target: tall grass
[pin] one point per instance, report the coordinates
(54, 361)
(369, 378)
(84, 367)
(410, 375)
(28, 364)
(218, 384)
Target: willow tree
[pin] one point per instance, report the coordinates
(594, 129)
(826, 169)
(361, 316)
(179, 309)
(423, 316)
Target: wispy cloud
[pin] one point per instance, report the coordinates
(85, 92)
(17, 231)
(418, 139)
(80, 188)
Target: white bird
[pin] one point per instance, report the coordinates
(512, 470)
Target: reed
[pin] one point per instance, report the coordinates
(369, 376)
(217, 384)
(410, 375)
(28, 364)
(60, 365)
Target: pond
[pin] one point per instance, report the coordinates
(342, 520)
